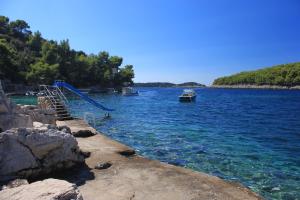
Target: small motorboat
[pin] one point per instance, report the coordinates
(188, 95)
(39, 94)
(129, 91)
(30, 93)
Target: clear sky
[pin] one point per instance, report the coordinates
(172, 40)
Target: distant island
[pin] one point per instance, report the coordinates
(167, 84)
(285, 76)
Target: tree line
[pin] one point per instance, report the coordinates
(280, 75)
(28, 58)
(167, 84)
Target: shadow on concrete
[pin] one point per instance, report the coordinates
(78, 175)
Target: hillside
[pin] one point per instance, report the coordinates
(167, 84)
(30, 59)
(286, 75)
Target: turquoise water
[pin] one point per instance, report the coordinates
(248, 136)
(25, 100)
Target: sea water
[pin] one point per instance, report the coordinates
(246, 136)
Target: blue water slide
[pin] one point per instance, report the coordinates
(83, 96)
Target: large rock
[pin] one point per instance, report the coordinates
(10, 120)
(49, 189)
(6, 106)
(45, 116)
(40, 126)
(26, 152)
(16, 116)
(9, 117)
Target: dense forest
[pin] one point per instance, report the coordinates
(30, 59)
(167, 84)
(280, 75)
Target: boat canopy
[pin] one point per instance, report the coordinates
(188, 91)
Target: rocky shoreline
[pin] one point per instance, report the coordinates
(275, 87)
(64, 160)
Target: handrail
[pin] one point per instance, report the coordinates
(60, 93)
(83, 96)
(49, 95)
(86, 115)
(62, 97)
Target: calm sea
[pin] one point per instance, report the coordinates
(248, 136)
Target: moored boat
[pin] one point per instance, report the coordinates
(30, 93)
(129, 91)
(188, 95)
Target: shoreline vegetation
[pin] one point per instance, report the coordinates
(167, 84)
(274, 87)
(285, 76)
(29, 59)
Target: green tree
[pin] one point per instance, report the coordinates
(115, 61)
(30, 59)
(126, 74)
(4, 25)
(20, 29)
(35, 42)
(50, 52)
(42, 73)
(8, 67)
(282, 75)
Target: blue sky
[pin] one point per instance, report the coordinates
(172, 40)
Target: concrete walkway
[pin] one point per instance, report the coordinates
(133, 177)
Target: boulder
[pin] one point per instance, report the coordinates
(40, 126)
(6, 106)
(10, 120)
(45, 116)
(78, 127)
(65, 129)
(26, 152)
(9, 115)
(83, 133)
(48, 189)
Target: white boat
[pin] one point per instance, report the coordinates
(30, 93)
(129, 91)
(188, 95)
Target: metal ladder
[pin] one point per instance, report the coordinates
(58, 101)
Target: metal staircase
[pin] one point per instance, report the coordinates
(56, 101)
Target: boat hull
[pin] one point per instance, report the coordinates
(131, 94)
(187, 98)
